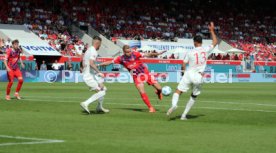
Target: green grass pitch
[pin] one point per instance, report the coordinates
(227, 118)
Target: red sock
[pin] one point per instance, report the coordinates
(145, 98)
(19, 85)
(9, 87)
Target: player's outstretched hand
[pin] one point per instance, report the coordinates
(212, 26)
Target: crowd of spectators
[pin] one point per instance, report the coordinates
(47, 23)
(242, 25)
(176, 18)
(257, 51)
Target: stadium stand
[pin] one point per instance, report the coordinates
(246, 29)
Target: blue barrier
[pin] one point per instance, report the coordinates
(124, 77)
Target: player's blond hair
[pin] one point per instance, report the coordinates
(126, 47)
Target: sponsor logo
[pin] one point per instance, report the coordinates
(241, 75)
(172, 68)
(39, 48)
(269, 76)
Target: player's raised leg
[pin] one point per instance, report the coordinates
(144, 96)
(175, 99)
(151, 81)
(158, 91)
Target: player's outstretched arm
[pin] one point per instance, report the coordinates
(153, 54)
(213, 35)
(105, 63)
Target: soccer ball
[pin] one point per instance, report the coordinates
(166, 91)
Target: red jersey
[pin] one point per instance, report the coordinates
(12, 57)
(132, 63)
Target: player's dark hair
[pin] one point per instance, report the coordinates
(97, 38)
(15, 41)
(198, 39)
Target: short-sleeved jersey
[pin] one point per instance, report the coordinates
(132, 63)
(197, 58)
(12, 57)
(90, 54)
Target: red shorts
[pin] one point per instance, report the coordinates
(14, 73)
(145, 77)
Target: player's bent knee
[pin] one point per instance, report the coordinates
(102, 93)
(140, 88)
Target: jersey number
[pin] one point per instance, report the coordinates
(202, 58)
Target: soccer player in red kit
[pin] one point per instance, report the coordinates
(140, 73)
(11, 62)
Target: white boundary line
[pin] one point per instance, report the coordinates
(127, 104)
(31, 142)
(123, 98)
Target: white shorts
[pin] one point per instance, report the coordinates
(93, 81)
(191, 79)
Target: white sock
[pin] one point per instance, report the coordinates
(94, 97)
(175, 99)
(101, 100)
(188, 106)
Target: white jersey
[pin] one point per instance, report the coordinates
(197, 58)
(90, 54)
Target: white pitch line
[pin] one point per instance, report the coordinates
(127, 104)
(238, 103)
(33, 141)
(124, 98)
(218, 108)
(247, 110)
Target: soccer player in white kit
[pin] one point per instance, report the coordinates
(193, 76)
(93, 77)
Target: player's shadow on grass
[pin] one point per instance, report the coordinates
(92, 112)
(188, 117)
(13, 98)
(137, 109)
